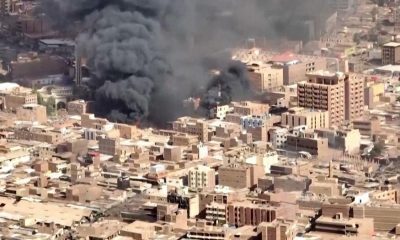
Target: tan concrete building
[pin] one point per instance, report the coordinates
(202, 178)
(265, 77)
(250, 108)
(77, 107)
(109, 146)
(192, 126)
(354, 96)
(305, 117)
(19, 98)
(391, 53)
(258, 133)
(173, 153)
(240, 176)
(367, 127)
(37, 134)
(247, 213)
(295, 67)
(324, 91)
(372, 93)
(386, 217)
(279, 229)
(32, 112)
(308, 142)
(347, 139)
(90, 121)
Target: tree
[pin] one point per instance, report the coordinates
(357, 38)
(377, 149)
(374, 11)
(51, 105)
(40, 99)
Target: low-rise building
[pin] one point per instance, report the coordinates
(305, 117)
(32, 112)
(240, 175)
(247, 213)
(308, 142)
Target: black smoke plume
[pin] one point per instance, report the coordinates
(231, 83)
(146, 56)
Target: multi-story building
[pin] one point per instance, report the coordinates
(386, 217)
(391, 53)
(190, 202)
(367, 127)
(109, 146)
(172, 153)
(354, 96)
(308, 142)
(192, 126)
(295, 67)
(347, 140)
(265, 77)
(216, 212)
(202, 178)
(247, 213)
(324, 91)
(305, 117)
(77, 107)
(278, 229)
(19, 97)
(220, 111)
(278, 137)
(372, 93)
(38, 134)
(250, 108)
(32, 112)
(240, 176)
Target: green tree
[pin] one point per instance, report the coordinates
(374, 11)
(357, 38)
(51, 105)
(40, 99)
(378, 148)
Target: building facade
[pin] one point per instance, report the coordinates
(265, 77)
(324, 91)
(391, 53)
(354, 96)
(201, 178)
(306, 117)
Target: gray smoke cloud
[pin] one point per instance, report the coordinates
(146, 56)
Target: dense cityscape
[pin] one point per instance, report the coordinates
(199, 119)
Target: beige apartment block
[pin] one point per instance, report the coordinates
(32, 112)
(391, 53)
(250, 108)
(17, 99)
(248, 213)
(354, 96)
(240, 176)
(202, 178)
(324, 91)
(305, 117)
(192, 126)
(265, 77)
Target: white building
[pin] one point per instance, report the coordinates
(279, 137)
(220, 111)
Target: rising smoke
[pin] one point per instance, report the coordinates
(146, 56)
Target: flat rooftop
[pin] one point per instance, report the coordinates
(392, 44)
